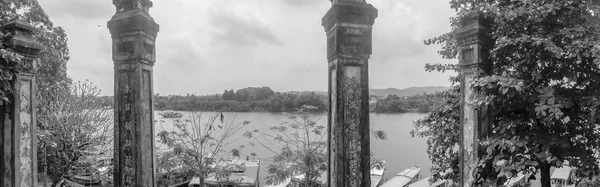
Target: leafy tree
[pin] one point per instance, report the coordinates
(171, 170)
(55, 53)
(52, 68)
(198, 145)
(278, 102)
(76, 128)
(303, 147)
(228, 95)
(542, 90)
(9, 60)
(589, 183)
(441, 127)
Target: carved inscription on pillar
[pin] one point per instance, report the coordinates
(354, 40)
(349, 41)
(25, 118)
(127, 128)
(352, 125)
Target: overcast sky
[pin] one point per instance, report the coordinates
(207, 46)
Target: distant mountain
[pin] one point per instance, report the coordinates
(391, 91)
(407, 91)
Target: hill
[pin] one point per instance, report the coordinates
(407, 91)
(391, 91)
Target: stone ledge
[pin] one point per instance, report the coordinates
(353, 13)
(131, 21)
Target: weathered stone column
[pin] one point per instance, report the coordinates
(474, 44)
(133, 36)
(19, 149)
(348, 25)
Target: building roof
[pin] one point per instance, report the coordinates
(561, 173)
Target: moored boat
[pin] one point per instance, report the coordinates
(404, 178)
(377, 174)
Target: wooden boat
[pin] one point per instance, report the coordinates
(404, 178)
(425, 183)
(377, 174)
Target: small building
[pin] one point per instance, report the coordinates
(561, 177)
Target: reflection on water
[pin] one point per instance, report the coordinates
(400, 150)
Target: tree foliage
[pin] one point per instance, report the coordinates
(76, 129)
(303, 146)
(283, 102)
(299, 146)
(52, 66)
(244, 100)
(441, 128)
(393, 104)
(543, 89)
(196, 144)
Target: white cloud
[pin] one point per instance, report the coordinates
(207, 46)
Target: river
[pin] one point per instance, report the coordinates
(400, 150)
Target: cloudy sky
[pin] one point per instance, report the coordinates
(207, 46)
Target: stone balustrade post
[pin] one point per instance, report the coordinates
(474, 44)
(348, 25)
(18, 137)
(134, 34)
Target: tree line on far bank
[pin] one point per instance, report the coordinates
(264, 99)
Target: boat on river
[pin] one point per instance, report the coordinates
(404, 178)
(377, 174)
(425, 183)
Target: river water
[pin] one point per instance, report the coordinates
(400, 150)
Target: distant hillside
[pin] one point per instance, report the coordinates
(391, 91)
(407, 91)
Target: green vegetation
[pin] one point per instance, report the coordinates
(250, 99)
(300, 147)
(264, 99)
(195, 146)
(394, 104)
(51, 82)
(543, 92)
(76, 129)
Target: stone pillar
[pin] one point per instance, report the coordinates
(348, 25)
(133, 36)
(474, 44)
(18, 138)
